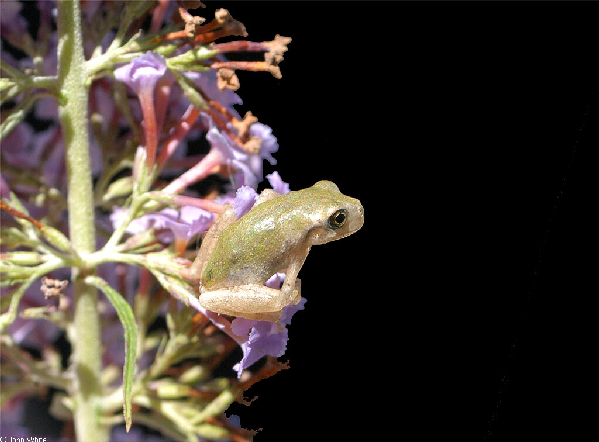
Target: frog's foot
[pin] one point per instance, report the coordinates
(296, 294)
(252, 301)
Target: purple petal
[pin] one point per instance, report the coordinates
(247, 175)
(264, 337)
(190, 222)
(242, 326)
(180, 230)
(208, 83)
(277, 183)
(275, 281)
(264, 340)
(219, 142)
(142, 72)
(290, 310)
(269, 143)
(199, 220)
(244, 200)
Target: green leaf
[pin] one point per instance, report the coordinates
(23, 258)
(191, 60)
(8, 318)
(217, 406)
(16, 115)
(125, 313)
(190, 90)
(52, 235)
(56, 238)
(119, 188)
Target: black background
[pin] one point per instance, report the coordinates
(467, 304)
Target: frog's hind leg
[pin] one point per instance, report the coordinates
(268, 316)
(252, 301)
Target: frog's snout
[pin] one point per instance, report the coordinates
(357, 221)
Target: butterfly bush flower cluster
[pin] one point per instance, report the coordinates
(105, 194)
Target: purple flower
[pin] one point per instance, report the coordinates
(264, 337)
(199, 220)
(277, 183)
(224, 151)
(253, 162)
(208, 83)
(241, 161)
(142, 72)
(256, 338)
(249, 166)
(269, 143)
(244, 200)
(246, 197)
(190, 221)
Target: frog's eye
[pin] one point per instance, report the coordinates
(337, 219)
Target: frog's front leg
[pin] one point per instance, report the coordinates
(251, 301)
(291, 286)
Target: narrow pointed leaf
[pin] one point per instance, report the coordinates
(125, 313)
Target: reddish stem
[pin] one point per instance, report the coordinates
(209, 205)
(146, 99)
(240, 46)
(187, 121)
(196, 173)
(254, 66)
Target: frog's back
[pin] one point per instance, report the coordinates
(275, 232)
(254, 247)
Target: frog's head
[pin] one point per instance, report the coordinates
(338, 215)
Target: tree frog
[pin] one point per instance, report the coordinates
(238, 256)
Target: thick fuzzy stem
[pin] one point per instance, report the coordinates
(85, 334)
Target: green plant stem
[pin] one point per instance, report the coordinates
(85, 335)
